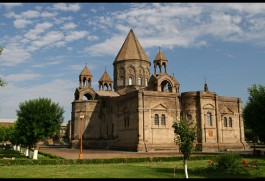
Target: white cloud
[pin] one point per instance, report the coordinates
(13, 55)
(75, 35)
(250, 8)
(30, 14)
(67, 7)
(21, 77)
(93, 10)
(46, 14)
(59, 91)
(60, 44)
(183, 24)
(33, 34)
(92, 37)
(49, 39)
(59, 20)
(12, 15)
(10, 5)
(108, 47)
(21, 23)
(47, 64)
(68, 26)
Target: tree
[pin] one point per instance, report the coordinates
(2, 133)
(253, 112)
(185, 138)
(38, 119)
(2, 82)
(5, 133)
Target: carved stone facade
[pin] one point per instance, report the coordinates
(139, 113)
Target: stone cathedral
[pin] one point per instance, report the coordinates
(136, 109)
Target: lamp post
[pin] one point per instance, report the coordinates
(81, 116)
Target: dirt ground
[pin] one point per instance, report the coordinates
(69, 153)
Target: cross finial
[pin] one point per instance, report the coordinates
(205, 85)
(86, 63)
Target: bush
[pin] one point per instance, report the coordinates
(227, 162)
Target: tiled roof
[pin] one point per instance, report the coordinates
(105, 77)
(160, 56)
(107, 93)
(131, 49)
(85, 72)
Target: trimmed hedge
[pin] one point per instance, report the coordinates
(98, 161)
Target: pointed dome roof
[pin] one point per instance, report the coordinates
(105, 77)
(85, 72)
(160, 56)
(131, 49)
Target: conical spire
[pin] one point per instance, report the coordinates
(105, 77)
(85, 72)
(105, 81)
(131, 49)
(205, 86)
(160, 56)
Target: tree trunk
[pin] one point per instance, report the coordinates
(30, 154)
(186, 168)
(27, 151)
(36, 149)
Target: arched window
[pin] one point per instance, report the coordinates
(121, 76)
(84, 82)
(166, 86)
(146, 82)
(230, 122)
(130, 80)
(87, 96)
(139, 80)
(225, 122)
(209, 119)
(89, 82)
(156, 119)
(163, 119)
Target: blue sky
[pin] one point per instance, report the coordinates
(47, 45)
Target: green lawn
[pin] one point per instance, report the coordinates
(196, 169)
(123, 170)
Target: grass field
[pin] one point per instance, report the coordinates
(123, 170)
(196, 169)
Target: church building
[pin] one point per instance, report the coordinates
(136, 109)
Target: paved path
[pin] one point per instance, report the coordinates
(69, 153)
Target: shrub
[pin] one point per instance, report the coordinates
(227, 162)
